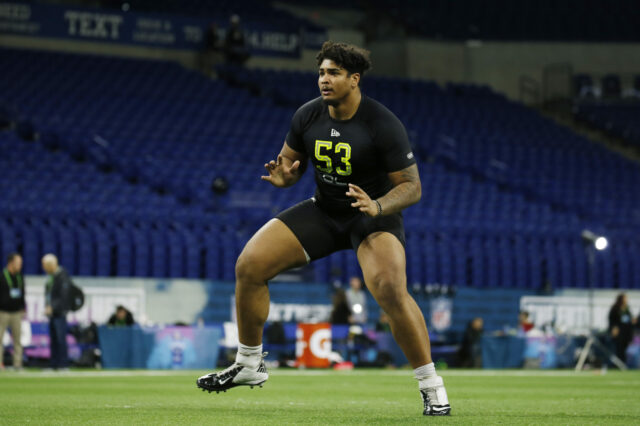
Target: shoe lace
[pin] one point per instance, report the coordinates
(426, 399)
(234, 368)
(230, 371)
(430, 396)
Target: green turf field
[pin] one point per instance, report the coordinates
(319, 397)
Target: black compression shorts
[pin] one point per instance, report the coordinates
(321, 234)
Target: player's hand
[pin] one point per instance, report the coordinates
(362, 202)
(279, 174)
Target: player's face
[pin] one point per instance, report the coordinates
(334, 82)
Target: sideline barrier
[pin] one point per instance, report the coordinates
(165, 348)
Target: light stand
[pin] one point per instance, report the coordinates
(593, 242)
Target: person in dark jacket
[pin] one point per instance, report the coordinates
(235, 50)
(12, 306)
(341, 313)
(211, 51)
(122, 317)
(621, 326)
(470, 352)
(57, 300)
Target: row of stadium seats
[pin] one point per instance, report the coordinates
(590, 20)
(140, 249)
(134, 197)
(610, 87)
(621, 120)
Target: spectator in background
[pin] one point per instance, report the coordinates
(57, 300)
(12, 306)
(235, 51)
(524, 325)
(277, 340)
(122, 317)
(357, 300)
(470, 352)
(383, 322)
(621, 326)
(341, 313)
(211, 50)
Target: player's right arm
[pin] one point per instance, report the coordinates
(287, 169)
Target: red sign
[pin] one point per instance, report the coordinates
(313, 345)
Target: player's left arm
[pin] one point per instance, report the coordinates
(406, 191)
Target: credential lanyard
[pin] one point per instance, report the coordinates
(7, 276)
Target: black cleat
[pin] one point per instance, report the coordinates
(235, 375)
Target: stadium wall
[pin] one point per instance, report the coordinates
(170, 301)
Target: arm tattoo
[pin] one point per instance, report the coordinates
(410, 174)
(406, 191)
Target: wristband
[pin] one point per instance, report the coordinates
(379, 207)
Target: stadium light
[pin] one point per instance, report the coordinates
(601, 243)
(591, 238)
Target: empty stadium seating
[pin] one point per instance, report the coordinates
(118, 180)
(620, 119)
(592, 20)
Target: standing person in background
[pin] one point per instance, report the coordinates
(57, 298)
(235, 51)
(12, 306)
(621, 326)
(470, 353)
(340, 313)
(210, 53)
(357, 300)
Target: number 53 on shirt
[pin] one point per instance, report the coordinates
(342, 149)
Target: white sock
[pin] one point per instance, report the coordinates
(424, 373)
(249, 355)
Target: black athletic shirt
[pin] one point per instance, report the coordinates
(361, 150)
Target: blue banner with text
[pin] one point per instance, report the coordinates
(141, 29)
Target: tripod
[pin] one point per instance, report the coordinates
(591, 243)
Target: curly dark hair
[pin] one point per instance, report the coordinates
(352, 58)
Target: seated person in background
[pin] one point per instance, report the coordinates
(383, 322)
(524, 324)
(121, 317)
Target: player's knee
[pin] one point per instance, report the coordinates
(389, 290)
(248, 268)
